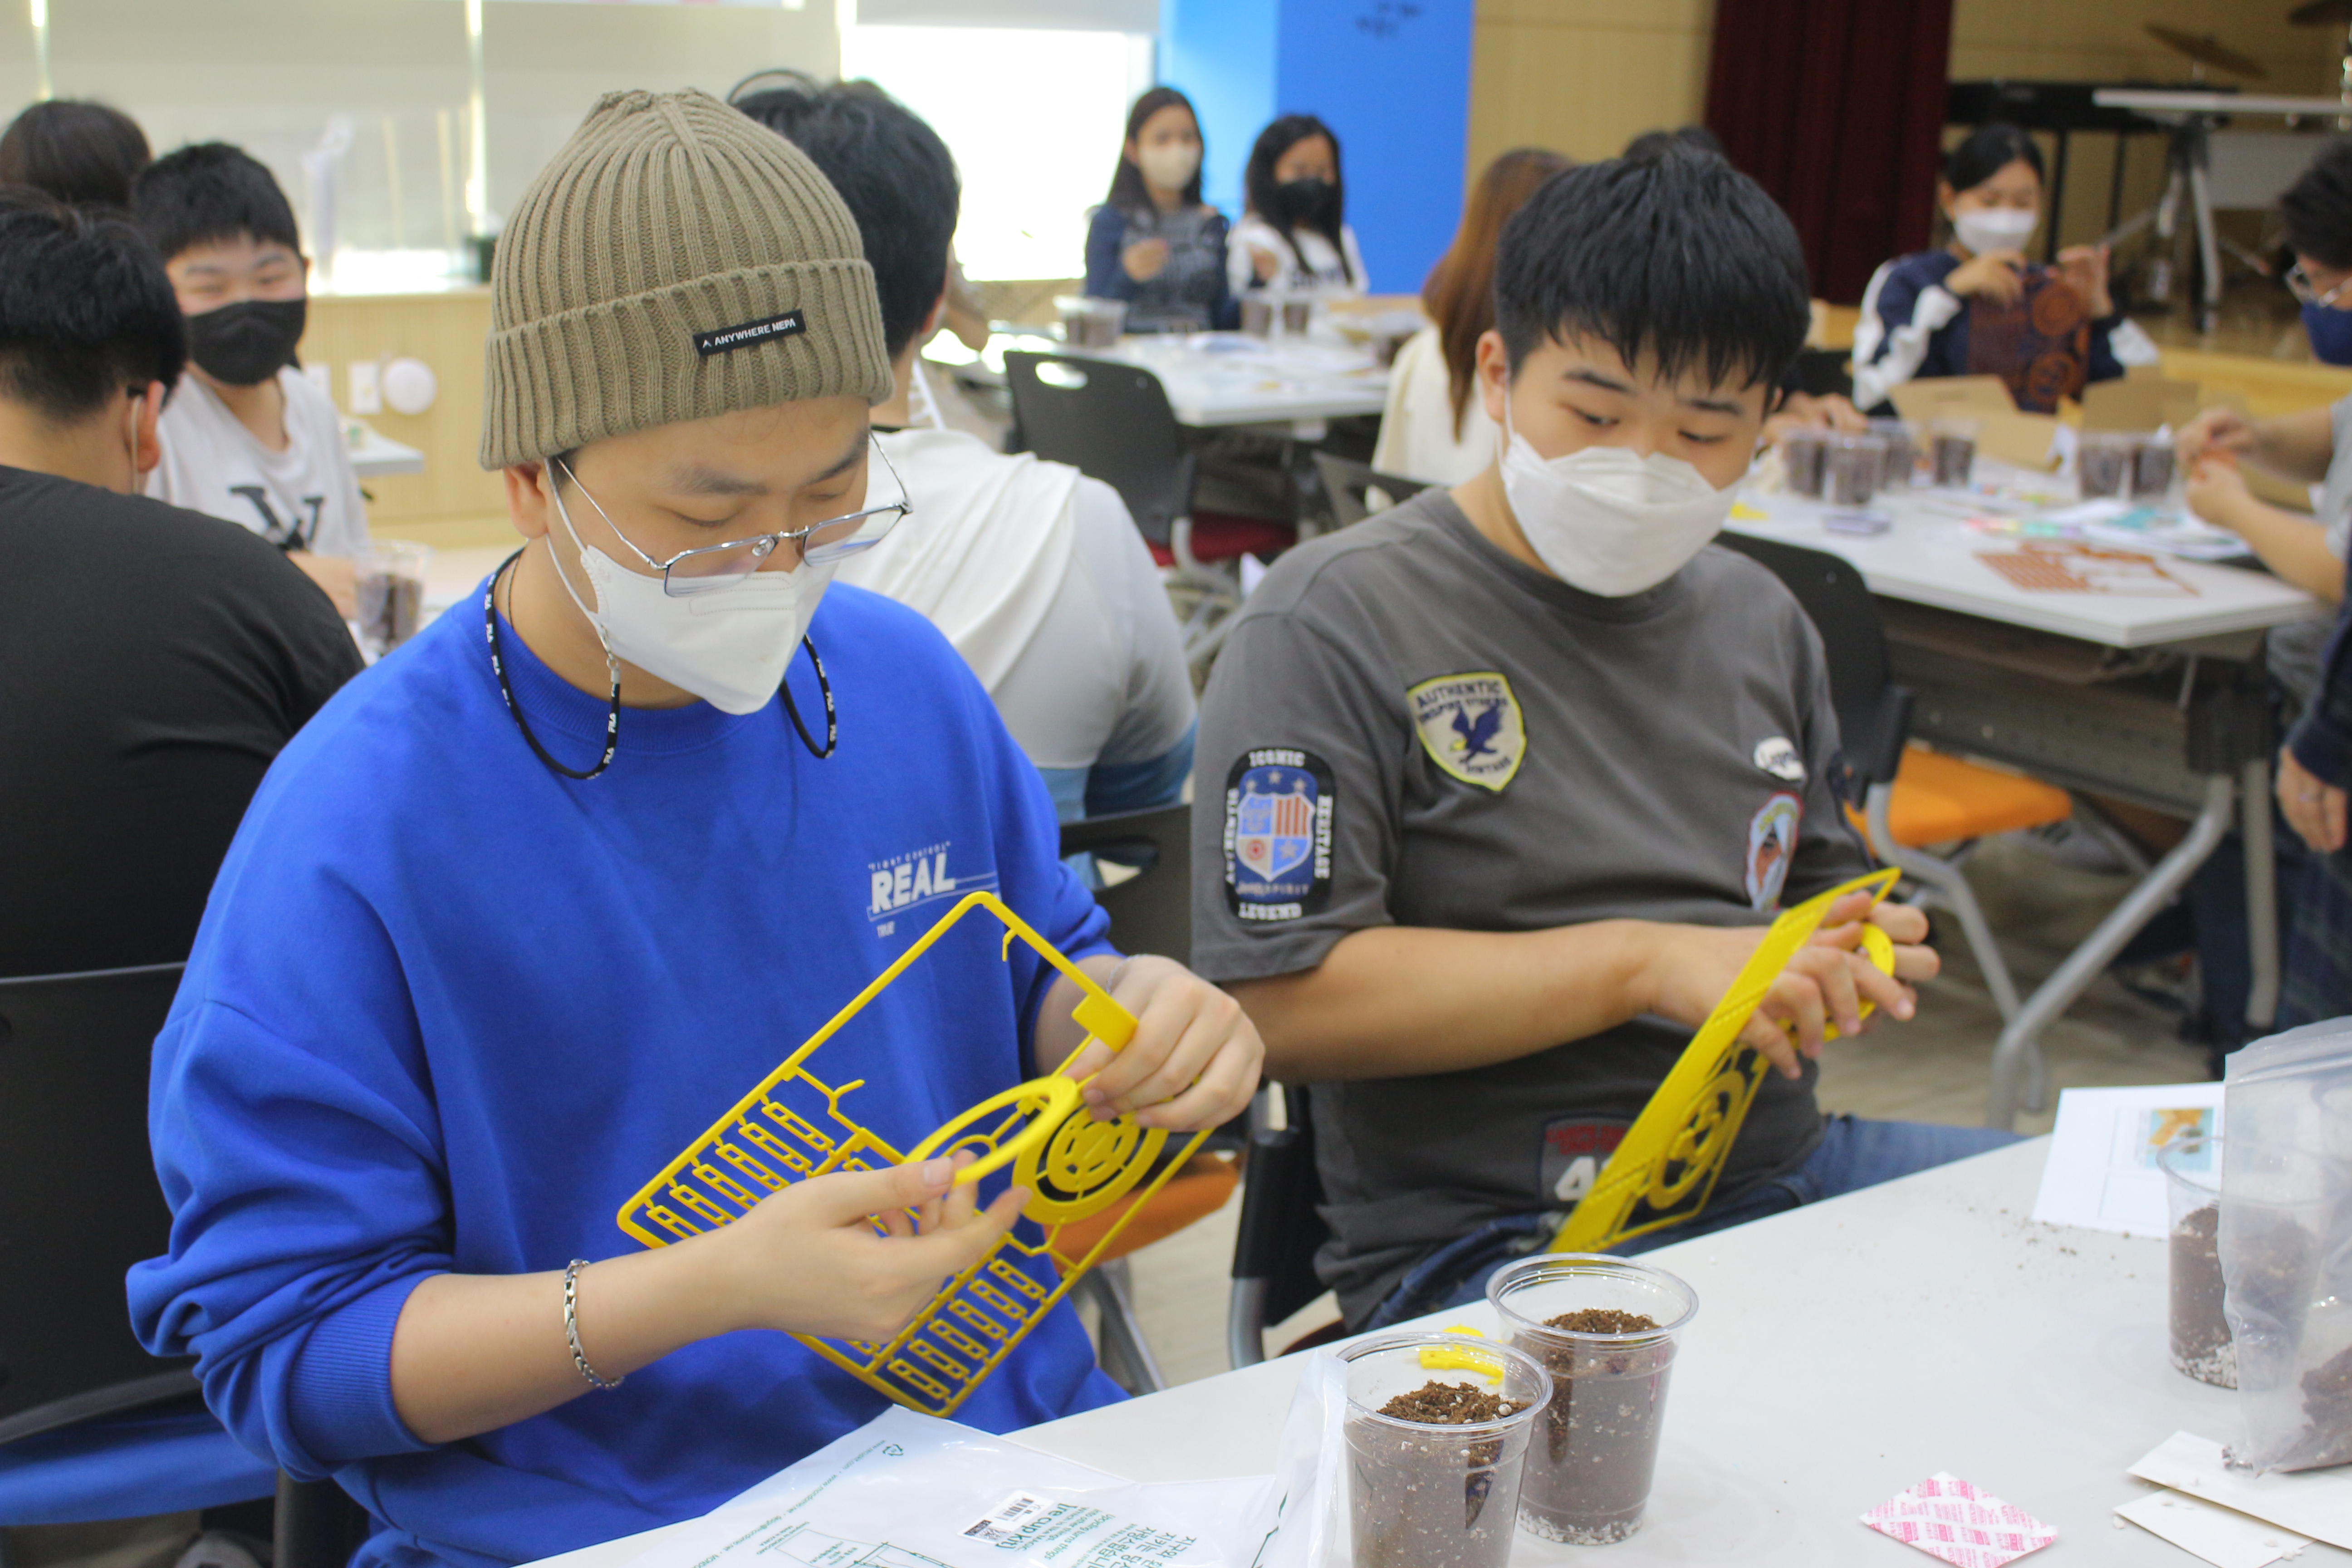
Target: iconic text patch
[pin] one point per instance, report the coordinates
(726, 340)
(1470, 726)
(1772, 845)
(1278, 807)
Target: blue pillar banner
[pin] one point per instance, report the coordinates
(1392, 77)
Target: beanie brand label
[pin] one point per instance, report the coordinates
(726, 340)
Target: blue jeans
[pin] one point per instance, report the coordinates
(1853, 1154)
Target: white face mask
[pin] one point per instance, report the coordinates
(1993, 228)
(1169, 166)
(728, 647)
(1611, 520)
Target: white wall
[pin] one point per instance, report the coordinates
(267, 74)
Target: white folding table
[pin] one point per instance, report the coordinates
(1841, 1352)
(2130, 706)
(1216, 378)
(376, 455)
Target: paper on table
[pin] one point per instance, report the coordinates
(1945, 1517)
(2101, 1172)
(2224, 1537)
(906, 1490)
(2317, 1502)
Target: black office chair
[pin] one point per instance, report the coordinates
(78, 1186)
(1150, 911)
(1823, 372)
(1874, 722)
(1112, 421)
(1347, 482)
(79, 1189)
(1281, 1227)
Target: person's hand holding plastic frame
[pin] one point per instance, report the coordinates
(1193, 1062)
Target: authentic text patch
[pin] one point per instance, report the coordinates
(1278, 807)
(726, 340)
(1471, 727)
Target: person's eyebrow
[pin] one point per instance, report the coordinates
(848, 459)
(1592, 377)
(696, 479)
(1730, 405)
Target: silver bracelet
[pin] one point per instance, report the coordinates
(572, 1328)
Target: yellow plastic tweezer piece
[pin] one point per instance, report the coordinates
(1666, 1168)
(1462, 1358)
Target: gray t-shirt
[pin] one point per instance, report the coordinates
(1408, 727)
(2294, 649)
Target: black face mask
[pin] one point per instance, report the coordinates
(1306, 201)
(246, 343)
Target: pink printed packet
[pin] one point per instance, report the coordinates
(1945, 1517)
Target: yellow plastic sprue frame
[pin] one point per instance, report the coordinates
(1074, 1165)
(1666, 1168)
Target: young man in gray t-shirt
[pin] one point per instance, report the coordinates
(1498, 790)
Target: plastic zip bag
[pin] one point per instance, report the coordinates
(2286, 1245)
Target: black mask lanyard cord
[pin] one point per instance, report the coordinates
(613, 709)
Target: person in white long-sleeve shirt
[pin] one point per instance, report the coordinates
(1979, 307)
(1294, 236)
(1034, 572)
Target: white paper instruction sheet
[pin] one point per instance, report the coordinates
(2102, 1172)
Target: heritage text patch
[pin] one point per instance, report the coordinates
(1278, 807)
(726, 340)
(1471, 727)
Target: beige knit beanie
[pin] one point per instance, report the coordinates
(676, 260)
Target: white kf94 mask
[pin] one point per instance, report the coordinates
(1994, 228)
(1609, 521)
(728, 647)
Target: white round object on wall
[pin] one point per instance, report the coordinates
(409, 386)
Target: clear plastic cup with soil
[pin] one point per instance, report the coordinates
(1606, 1329)
(2201, 1345)
(1435, 1454)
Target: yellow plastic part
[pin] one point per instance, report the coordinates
(1074, 1164)
(1462, 1358)
(1666, 1168)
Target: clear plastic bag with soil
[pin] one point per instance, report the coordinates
(1606, 1329)
(1434, 1458)
(2285, 1244)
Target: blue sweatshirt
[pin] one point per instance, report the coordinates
(446, 1011)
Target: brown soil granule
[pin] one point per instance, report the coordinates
(1451, 1404)
(1601, 1321)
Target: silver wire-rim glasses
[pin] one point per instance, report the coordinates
(711, 568)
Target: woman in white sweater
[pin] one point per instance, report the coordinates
(1293, 237)
(1433, 428)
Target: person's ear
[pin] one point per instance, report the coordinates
(1492, 366)
(1129, 151)
(1944, 194)
(145, 417)
(529, 505)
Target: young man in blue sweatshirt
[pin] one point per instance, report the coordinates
(580, 864)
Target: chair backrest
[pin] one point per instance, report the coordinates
(79, 1202)
(1109, 421)
(1344, 480)
(1280, 1226)
(1150, 911)
(1853, 635)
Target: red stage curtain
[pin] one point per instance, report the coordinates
(1836, 107)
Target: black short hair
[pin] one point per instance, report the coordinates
(1698, 138)
(76, 151)
(1674, 252)
(86, 312)
(1986, 152)
(897, 177)
(2316, 210)
(211, 192)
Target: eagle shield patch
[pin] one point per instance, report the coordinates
(1471, 727)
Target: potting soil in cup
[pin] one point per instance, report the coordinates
(1588, 1478)
(1432, 1499)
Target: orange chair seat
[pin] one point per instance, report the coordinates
(1939, 799)
(1196, 1192)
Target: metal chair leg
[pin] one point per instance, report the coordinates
(1126, 1355)
(1245, 1323)
(2020, 1046)
(1952, 886)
